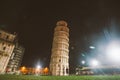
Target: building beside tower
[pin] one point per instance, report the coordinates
(11, 52)
(7, 44)
(15, 59)
(59, 63)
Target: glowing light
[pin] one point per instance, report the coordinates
(113, 51)
(46, 70)
(23, 68)
(92, 47)
(83, 62)
(94, 63)
(38, 66)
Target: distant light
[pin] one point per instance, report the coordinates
(38, 66)
(113, 51)
(94, 63)
(23, 67)
(83, 62)
(92, 47)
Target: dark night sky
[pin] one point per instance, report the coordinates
(34, 21)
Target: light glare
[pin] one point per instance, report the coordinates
(94, 63)
(113, 52)
(38, 66)
(83, 62)
(92, 47)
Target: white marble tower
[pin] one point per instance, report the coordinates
(59, 63)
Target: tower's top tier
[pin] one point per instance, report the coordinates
(62, 26)
(61, 23)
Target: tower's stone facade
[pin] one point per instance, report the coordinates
(59, 64)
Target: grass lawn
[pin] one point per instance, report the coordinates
(33, 77)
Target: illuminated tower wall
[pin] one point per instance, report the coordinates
(59, 64)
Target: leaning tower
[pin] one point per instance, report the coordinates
(59, 63)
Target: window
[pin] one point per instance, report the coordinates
(59, 60)
(3, 43)
(4, 48)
